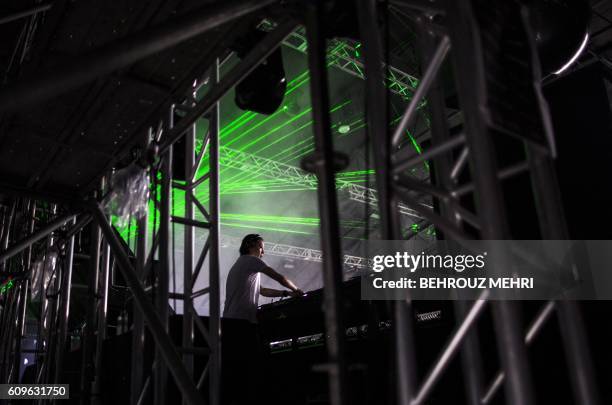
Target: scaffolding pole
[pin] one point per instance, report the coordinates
(188, 248)
(328, 205)
(377, 132)
(166, 348)
(162, 276)
(64, 311)
(214, 361)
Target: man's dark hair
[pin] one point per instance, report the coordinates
(249, 242)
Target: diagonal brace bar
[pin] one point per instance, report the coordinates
(421, 91)
(35, 237)
(169, 353)
(451, 349)
(534, 328)
(25, 13)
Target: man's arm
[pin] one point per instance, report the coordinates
(282, 280)
(271, 292)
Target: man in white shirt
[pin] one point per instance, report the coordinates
(243, 281)
(240, 345)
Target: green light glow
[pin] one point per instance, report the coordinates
(248, 116)
(243, 175)
(354, 126)
(343, 129)
(237, 123)
(265, 183)
(286, 220)
(356, 173)
(308, 148)
(285, 190)
(8, 284)
(261, 137)
(251, 129)
(341, 50)
(265, 228)
(253, 132)
(334, 109)
(295, 131)
(286, 156)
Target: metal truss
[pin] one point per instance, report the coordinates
(141, 277)
(323, 157)
(301, 253)
(490, 220)
(395, 189)
(31, 251)
(257, 165)
(344, 54)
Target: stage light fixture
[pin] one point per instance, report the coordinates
(576, 55)
(344, 128)
(561, 32)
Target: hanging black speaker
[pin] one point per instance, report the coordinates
(263, 90)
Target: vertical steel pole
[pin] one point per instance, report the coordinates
(214, 331)
(471, 360)
(187, 335)
(5, 314)
(24, 295)
(377, 117)
(378, 132)
(164, 343)
(8, 317)
(54, 309)
(6, 231)
(64, 311)
(88, 364)
(2, 222)
(328, 205)
(25, 286)
(138, 326)
(573, 333)
(14, 336)
(102, 312)
(40, 335)
(165, 259)
(467, 60)
(46, 318)
(4, 311)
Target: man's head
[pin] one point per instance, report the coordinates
(252, 244)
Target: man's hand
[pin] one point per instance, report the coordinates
(296, 293)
